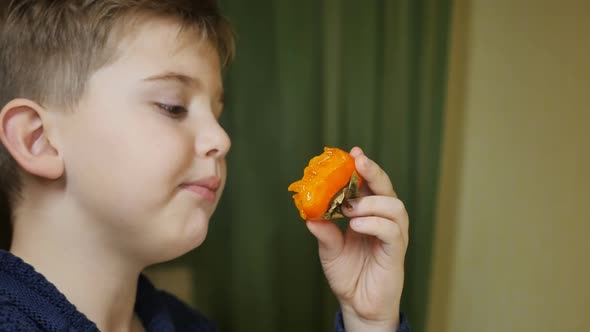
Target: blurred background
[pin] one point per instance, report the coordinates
(310, 74)
(480, 112)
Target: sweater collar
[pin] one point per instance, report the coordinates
(37, 297)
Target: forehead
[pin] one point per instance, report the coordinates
(154, 45)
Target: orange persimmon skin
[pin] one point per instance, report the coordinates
(322, 179)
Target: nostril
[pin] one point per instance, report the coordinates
(213, 153)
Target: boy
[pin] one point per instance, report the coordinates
(113, 160)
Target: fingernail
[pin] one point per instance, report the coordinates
(347, 205)
(365, 161)
(355, 152)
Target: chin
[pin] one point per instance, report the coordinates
(191, 236)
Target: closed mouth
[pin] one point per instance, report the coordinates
(207, 188)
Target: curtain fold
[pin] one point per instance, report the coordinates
(312, 73)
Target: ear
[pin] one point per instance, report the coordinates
(24, 134)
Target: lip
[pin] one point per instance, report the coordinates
(207, 188)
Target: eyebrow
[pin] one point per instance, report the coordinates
(176, 77)
(179, 78)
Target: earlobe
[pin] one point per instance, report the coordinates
(24, 135)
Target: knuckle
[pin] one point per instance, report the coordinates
(371, 205)
(398, 205)
(396, 231)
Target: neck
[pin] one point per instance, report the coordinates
(100, 282)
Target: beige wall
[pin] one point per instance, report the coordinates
(512, 250)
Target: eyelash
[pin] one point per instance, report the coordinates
(174, 111)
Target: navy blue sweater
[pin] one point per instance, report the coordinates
(29, 302)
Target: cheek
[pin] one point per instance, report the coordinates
(126, 162)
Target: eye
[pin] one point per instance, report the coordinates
(174, 111)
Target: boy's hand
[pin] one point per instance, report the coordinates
(365, 266)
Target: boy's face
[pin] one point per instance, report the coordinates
(143, 151)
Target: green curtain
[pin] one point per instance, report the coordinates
(312, 73)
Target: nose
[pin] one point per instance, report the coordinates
(212, 141)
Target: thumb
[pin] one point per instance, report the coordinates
(330, 238)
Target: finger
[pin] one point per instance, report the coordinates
(386, 207)
(356, 152)
(375, 177)
(388, 232)
(330, 238)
